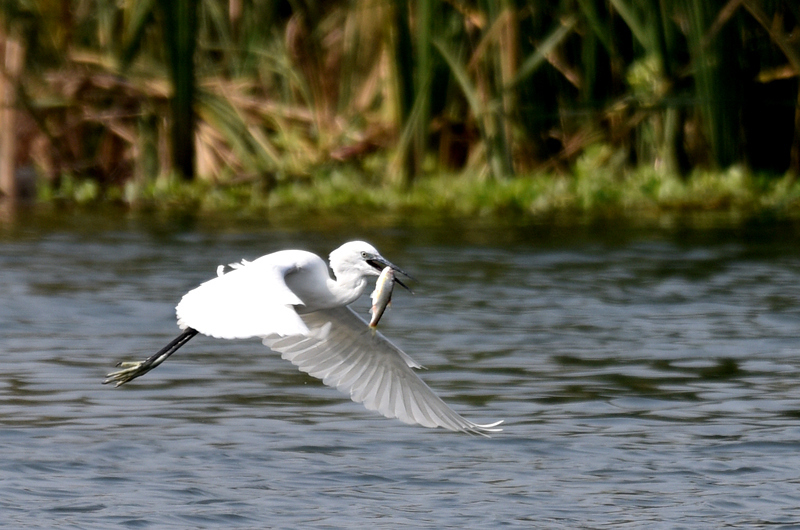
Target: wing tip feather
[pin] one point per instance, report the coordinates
(484, 429)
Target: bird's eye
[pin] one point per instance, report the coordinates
(364, 254)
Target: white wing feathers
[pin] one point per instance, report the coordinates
(341, 350)
(252, 300)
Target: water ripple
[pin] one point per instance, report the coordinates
(647, 381)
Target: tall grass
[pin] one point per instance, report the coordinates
(268, 92)
(180, 37)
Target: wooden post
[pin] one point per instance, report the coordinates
(11, 55)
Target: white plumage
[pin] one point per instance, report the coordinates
(289, 300)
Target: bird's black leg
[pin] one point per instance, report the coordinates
(132, 370)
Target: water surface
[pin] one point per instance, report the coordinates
(647, 377)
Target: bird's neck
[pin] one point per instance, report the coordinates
(347, 288)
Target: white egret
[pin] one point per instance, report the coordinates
(289, 300)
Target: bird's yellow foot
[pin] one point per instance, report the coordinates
(130, 370)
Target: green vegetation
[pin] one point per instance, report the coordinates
(596, 192)
(481, 106)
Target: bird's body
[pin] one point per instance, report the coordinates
(289, 301)
(264, 297)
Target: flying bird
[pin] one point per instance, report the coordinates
(289, 300)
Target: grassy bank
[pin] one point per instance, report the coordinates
(591, 190)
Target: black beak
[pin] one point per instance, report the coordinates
(378, 263)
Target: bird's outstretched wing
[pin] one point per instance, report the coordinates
(346, 354)
(252, 300)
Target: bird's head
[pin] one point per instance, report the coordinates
(359, 257)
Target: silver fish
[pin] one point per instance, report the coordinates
(382, 295)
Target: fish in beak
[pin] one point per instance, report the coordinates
(382, 295)
(381, 264)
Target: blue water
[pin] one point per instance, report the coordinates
(648, 378)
